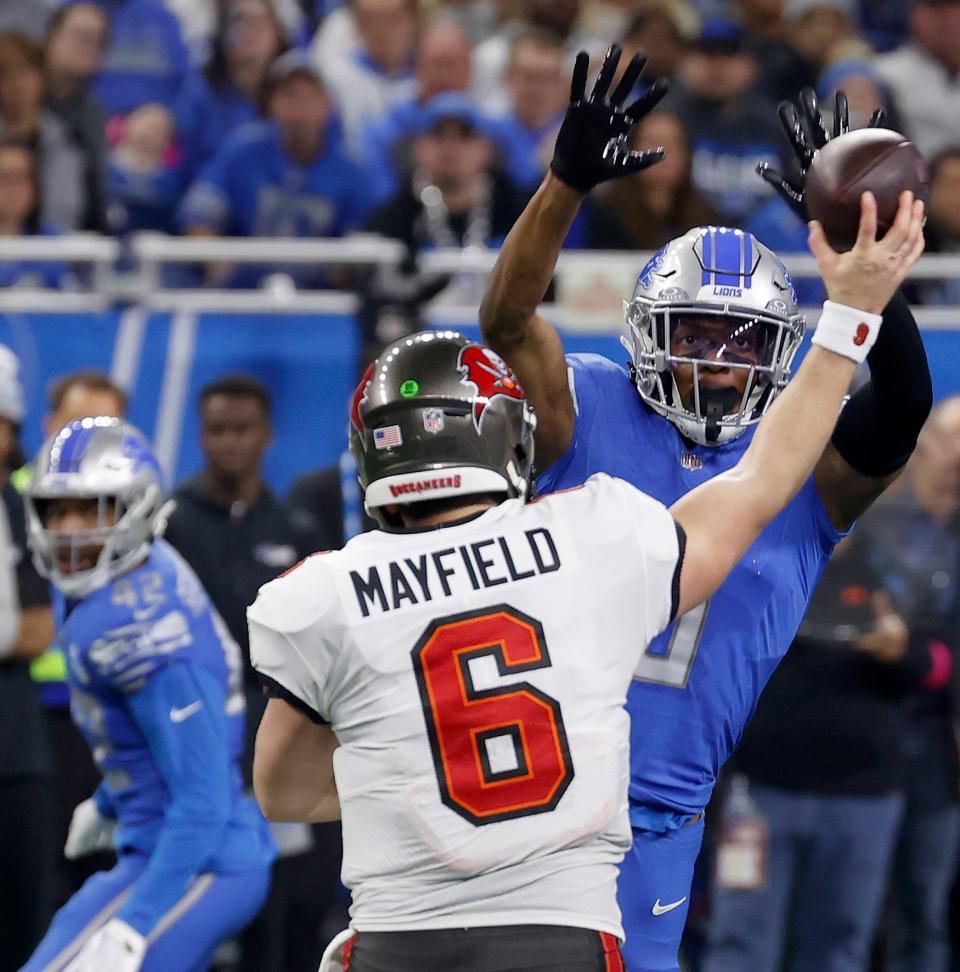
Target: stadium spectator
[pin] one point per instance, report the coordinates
(536, 78)
(943, 225)
(453, 197)
(492, 56)
(28, 848)
(227, 91)
(444, 63)
(236, 536)
(80, 394)
(76, 43)
(914, 545)
(815, 832)
(143, 187)
(28, 17)
(23, 117)
(288, 176)
(884, 23)
(199, 23)
(20, 216)
(646, 210)
(660, 30)
(864, 88)
(813, 34)
(377, 71)
(733, 128)
(923, 75)
(146, 60)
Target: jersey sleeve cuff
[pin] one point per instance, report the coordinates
(273, 689)
(675, 584)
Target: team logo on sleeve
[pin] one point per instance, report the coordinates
(489, 374)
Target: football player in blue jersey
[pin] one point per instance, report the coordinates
(711, 331)
(156, 687)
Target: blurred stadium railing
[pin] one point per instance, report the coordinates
(163, 343)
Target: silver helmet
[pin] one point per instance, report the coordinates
(102, 459)
(726, 274)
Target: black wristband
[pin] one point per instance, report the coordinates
(877, 430)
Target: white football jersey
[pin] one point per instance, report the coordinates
(475, 676)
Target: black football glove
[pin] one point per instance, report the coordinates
(807, 133)
(592, 145)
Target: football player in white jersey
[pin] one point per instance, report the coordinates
(454, 683)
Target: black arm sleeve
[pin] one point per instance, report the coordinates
(877, 430)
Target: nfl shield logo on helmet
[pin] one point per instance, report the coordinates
(433, 420)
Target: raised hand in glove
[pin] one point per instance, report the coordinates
(807, 134)
(593, 142)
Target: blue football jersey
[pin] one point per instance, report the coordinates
(700, 679)
(118, 641)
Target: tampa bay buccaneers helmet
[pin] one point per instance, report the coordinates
(438, 415)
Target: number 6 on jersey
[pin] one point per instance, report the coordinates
(466, 724)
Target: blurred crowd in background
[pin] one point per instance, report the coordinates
(839, 820)
(432, 122)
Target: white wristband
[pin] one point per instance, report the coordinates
(846, 330)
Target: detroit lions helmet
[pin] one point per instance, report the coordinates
(102, 459)
(438, 415)
(726, 274)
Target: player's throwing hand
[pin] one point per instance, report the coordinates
(592, 145)
(868, 276)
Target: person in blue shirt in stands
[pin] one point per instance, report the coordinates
(20, 216)
(156, 686)
(225, 93)
(147, 58)
(537, 79)
(288, 176)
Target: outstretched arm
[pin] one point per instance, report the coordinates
(877, 430)
(723, 517)
(591, 148)
(511, 326)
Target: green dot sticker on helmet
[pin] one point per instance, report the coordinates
(409, 388)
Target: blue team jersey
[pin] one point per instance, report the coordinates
(121, 642)
(147, 58)
(206, 116)
(251, 187)
(700, 680)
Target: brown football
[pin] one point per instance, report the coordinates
(877, 159)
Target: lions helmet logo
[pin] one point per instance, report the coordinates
(489, 373)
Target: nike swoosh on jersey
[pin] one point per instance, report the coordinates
(180, 715)
(659, 909)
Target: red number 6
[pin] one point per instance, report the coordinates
(462, 719)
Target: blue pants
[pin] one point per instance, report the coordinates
(655, 875)
(828, 859)
(216, 907)
(924, 868)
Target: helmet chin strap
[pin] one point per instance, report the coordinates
(717, 402)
